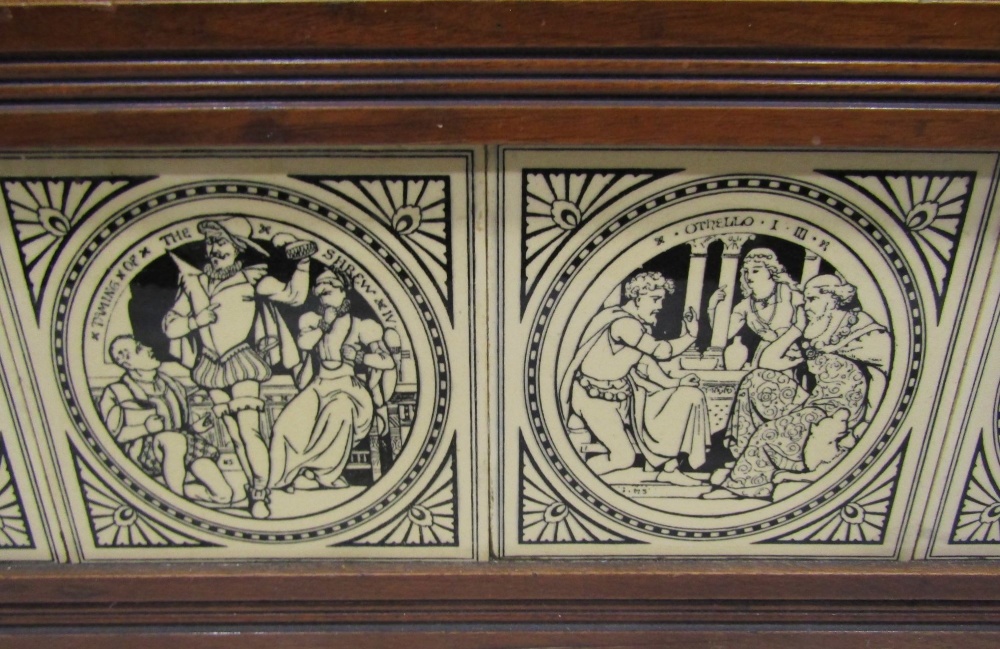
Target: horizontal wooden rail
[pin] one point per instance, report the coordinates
(841, 125)
(38, 29)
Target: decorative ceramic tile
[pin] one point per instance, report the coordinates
(243, 356)
(962, 517)
(729, 353)
(23, 535)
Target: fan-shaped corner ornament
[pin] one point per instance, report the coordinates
(545, 518)
(861, 521)
(14, 529)
(417, 210)
(44, 213)
(555, 202)
(431, 521)
(978, 519)
(116, 524)
(930, 205)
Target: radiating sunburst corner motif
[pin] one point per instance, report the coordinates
(431, 521)
(416, 209)
(931, 206)
(978, 518)
(862, 521)
(545, 518)
(45, 212)
(115, 523)
(558, 201)
(14, 530)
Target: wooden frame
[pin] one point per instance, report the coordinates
(742, 74)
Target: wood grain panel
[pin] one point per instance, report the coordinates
(41, 30)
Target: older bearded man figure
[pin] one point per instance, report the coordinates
(846, 355)
(616, 390)
(224, 326)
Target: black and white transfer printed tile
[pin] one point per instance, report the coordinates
(732, 353)
(239, 355)
(264, 355)
(23, 534)
(962, 516)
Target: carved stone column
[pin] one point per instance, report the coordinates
(696, 273)
(810, 268)
(728, 277)
(695, 291)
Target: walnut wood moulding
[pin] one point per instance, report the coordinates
(484, 101)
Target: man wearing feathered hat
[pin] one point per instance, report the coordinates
(224, 326)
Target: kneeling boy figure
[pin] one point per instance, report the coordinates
(146, 411)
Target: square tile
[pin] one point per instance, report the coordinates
(25, 535)
(249, 355)
(728, 353)
(962, 517)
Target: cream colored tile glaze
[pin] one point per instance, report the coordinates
(962, 512)
(241, 355)
(448, 354)
(733, 353)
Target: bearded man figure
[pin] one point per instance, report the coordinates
(846, 356)
(225, 328)
(616, 390)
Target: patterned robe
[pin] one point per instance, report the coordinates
(773, 413)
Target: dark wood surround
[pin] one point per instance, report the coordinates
(818, 75)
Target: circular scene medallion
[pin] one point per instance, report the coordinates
(725, 357)
(243, 358)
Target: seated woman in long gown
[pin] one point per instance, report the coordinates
(846, 354)
(313, 436)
